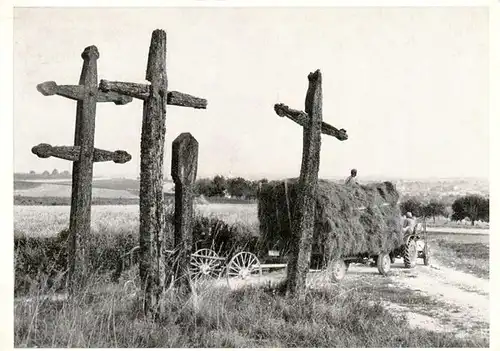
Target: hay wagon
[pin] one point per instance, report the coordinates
(353, 224)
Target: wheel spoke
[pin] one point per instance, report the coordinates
(237, 265)
(234, 269)
(237, 260)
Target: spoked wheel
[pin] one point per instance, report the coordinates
(204, 264)
(244, 267)
(338, 270)
(427, 255)
(384, 263)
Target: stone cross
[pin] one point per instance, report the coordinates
(83, 154)
(152, 215)
(184, 169)
(304, 215)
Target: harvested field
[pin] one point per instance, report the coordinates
(59, 190)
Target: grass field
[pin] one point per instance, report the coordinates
(470, 255)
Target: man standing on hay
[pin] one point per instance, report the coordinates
(351, 180)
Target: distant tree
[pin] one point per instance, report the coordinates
(219, 186)
(66, 174)
(55, 172)
(32, 172)
(238, 187)
(46, 173)
(434, 208)
(411, 205)
(203, 187)
(474, 207)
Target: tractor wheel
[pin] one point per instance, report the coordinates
(384, 263)
(427, 255)
(410, 254)
(338, 269)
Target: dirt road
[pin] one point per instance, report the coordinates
(450, 301)
(432, 297)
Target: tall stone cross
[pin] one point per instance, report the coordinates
(83, 154)
(152, 215)
(305, 207)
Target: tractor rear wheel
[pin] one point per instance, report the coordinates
(410, 254)
(384, 263)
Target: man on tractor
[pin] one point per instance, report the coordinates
(409, 224)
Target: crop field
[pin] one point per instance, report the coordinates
(43, 221)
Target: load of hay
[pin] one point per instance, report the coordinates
(350, 220)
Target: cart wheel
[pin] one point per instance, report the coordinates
(204, 264)
(427, 255)
(243, 267)
(338, 269)
(383, 263)
(410, 254)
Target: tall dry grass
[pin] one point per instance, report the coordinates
(106, 315)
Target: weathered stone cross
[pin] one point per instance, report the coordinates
(305, 207)
(152, 216)
(83, 154)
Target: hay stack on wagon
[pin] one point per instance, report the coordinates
(350, 220)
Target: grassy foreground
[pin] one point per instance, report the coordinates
(104, 315)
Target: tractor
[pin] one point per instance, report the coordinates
(415, 245)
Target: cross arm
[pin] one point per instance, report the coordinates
(77, 92)
(72, 153)
(73, 92)
(142, 91)
(302, 118)
(136, 90)
(180, 99)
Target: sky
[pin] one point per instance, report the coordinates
(410, 86)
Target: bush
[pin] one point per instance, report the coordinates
(41, 263)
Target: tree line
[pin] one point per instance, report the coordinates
(472, 207)
(220, 186)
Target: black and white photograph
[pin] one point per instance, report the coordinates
(226, 175)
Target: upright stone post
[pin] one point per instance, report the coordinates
(305, 207)
(83, 154)
(184, 168)
(151, 203)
